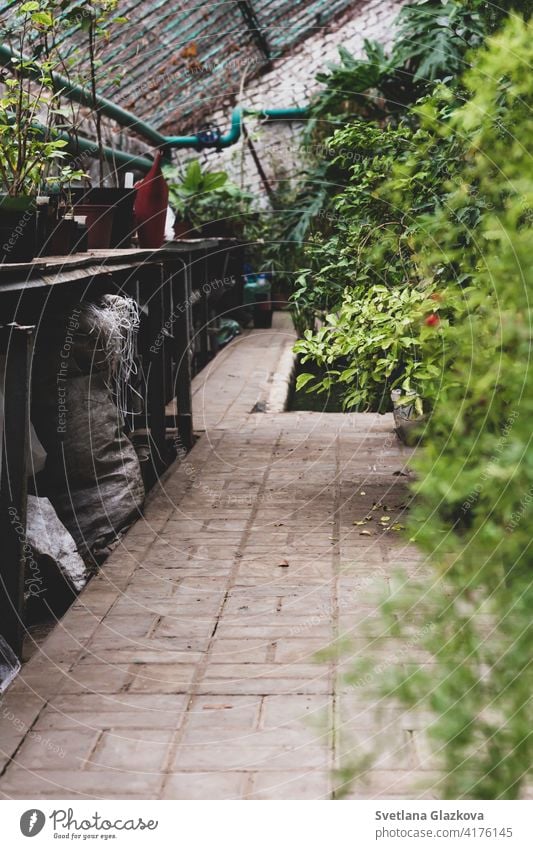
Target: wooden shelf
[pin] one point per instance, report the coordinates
(55, 270)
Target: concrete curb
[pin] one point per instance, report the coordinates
(280, 389)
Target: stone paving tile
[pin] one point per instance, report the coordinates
(109, 720)
(110, 657)
(131, 750)
(69, 783)
(296, 711)
(290, 785)
(245, 755)
(262, 686)
(296, 737)
(389, 748)
(162, 678)
(230, 712)
(206, 785)
(187, 668)
(300, 649)
(237, 651)
(95, 678)
(53, 750)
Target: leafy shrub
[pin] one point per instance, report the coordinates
(395, 323)
(431, 41)
(207, 197)
(475, 473)
(385, 315)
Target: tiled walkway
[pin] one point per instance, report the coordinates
(187, 668)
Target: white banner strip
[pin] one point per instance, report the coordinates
(268, 825)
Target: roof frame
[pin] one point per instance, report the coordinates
(252, 22)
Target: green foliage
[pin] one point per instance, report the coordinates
(421, 280)
(95, 19)
(475, 472)
(378, 320)
(30, 114)
(384, 317)
(432, 39)
(205, 197)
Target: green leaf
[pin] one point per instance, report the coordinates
(42, 18)
(303, 379)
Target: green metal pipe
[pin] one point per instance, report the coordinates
(230, 138)
(82, 95)
(78, 145)
(126, 119)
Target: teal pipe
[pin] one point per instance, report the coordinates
(234, 134)
(81, 95)
(78, 144)
(116, 157)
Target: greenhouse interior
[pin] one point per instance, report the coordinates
(265, 487)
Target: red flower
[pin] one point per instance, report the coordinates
(432, 320)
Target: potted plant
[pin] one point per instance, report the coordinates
(31, 154)
(188, 190)
(408, 412)
(226, 211)
(206, 202)
(108, 210)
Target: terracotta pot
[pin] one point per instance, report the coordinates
(99, 223)
(122, 202)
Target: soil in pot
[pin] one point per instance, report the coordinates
(18, 228)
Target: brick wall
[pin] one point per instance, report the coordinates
(291, 82)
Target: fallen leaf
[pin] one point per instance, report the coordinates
(217, 707)
(359, 523)
(385, 519)
(398, 527)
(365, 534)
(283, 563)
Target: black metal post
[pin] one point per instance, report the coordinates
(17, 346)
(153, 289)
(181, 300)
